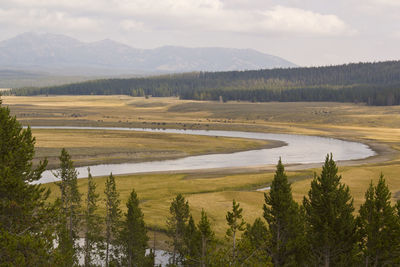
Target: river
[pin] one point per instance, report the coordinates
(299, 149)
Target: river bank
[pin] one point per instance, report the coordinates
(300, 149)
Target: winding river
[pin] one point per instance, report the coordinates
(298, 149)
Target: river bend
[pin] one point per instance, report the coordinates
(301, 149)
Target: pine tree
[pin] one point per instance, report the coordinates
(112, 220)
(133, 237)
(331, 228)
(70, 209)
(191, 243)
(253, 245)
(379, 227)
(285, 225)
(92, 225)
(207, 236)
(26, 232)
(176, 227)
(236, 224)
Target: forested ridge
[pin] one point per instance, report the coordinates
(323, 230)
(372, 83)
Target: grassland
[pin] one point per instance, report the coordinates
(213, 193)
(91, 147)
(214, 190)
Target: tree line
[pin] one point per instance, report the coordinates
(371, 83)
(321, 231)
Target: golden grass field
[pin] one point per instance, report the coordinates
(213, 194)
(213, 190)
(91, 147)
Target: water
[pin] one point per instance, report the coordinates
(298, 149)
(263, 189)
(161, 257)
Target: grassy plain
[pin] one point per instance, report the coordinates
(214, 190)
(214, 193)
(91, 147)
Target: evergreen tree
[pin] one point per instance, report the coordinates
(176, 227)
(379, 227)
(371, 83)
(112, 220)
(191, 244)
(26, 231)
(92, 225)
(207, 237)
(285, 225)
(133, 236)
(331, 228)
(253, 244)
(70, 209)
(236, 224)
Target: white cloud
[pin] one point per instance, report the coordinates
(303, 21)
(396, 34)
(211, 15)
(387, 2)
(42, 19)
(132, 25)
(272, 26)
(176, 15)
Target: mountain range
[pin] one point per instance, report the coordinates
(62, 55)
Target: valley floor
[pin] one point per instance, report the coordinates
(213, 190)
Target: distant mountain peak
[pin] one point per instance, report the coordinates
(109, 43)
(106, 41)
(63, 54)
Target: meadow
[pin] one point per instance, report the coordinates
(212, 190)
(91, 147)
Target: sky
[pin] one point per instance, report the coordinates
(305, 32)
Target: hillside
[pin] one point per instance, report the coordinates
(60, 54)
(371, 83)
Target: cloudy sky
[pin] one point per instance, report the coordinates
(306, 32)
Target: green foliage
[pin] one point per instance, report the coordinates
(112, 220)
(332, 236)
(69, 213)
(207, 238)
(372, 83)
(25, 250)
(331, 228)
(20, 199)
(286, 227)
(379, 227)
(253, 245)
(26, 221)
(236, 224)
(133, 236)
(204, 227)
(192, 244)
(176, 227)
(93, 248)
